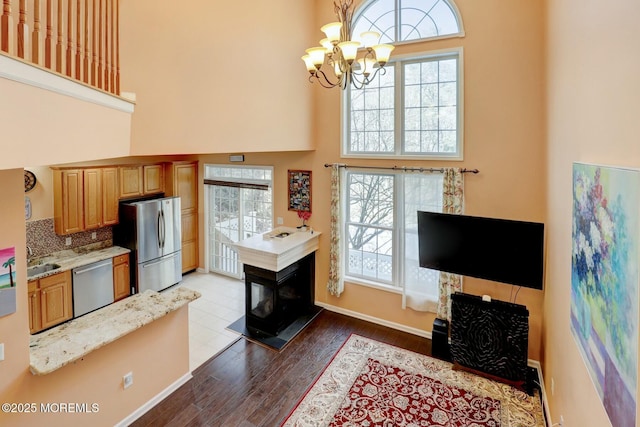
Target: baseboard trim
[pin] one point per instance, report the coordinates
(154, 401)
(378, 321)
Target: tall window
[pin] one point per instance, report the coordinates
(414, 107)
(381, 227)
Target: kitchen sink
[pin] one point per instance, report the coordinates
(42, 268)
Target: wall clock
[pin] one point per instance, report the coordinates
(29, 180)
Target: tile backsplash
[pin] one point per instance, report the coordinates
(43, 240)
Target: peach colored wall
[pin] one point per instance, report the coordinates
(503, 137)
(212, 77)
(592, 113)
(41, 128)
(157, 354)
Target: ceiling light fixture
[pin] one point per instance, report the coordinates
(339, 53)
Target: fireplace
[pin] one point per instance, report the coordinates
(275, 299)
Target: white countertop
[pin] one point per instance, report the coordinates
(275, 253)
(54, 348)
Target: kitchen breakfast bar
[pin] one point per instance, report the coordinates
(64, 344)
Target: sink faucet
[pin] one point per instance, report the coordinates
(29, 254)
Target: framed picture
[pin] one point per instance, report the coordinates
(299, 190)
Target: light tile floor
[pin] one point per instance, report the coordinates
(221, 303)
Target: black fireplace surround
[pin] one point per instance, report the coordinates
(274, 299)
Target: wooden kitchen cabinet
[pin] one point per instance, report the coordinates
(92, 191)
(68, 201)
(109, 196)
(141, 180)
(121, 278)
(50, 301)
(183, 182)
(130, 181)
(153, 178)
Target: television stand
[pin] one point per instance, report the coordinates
(490, 338)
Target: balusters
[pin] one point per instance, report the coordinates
(23, 29)
(78, 75)
(85, 34)
(48, 39)
(35, 36)
(59, 40)
(6, 28)
(69, 64)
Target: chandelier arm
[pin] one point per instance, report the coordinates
(324, 81)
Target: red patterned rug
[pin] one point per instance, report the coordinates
(369, 383)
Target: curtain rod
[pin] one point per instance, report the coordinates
(398, 168)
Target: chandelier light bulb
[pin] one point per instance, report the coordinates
(317, 55)
(366, 65)
(327, 44)
(310, 65)
(369, 38)
(332, 30)
(383, 52)
(349, 50)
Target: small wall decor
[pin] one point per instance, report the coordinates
(300, 190)
(604, 283)
(7, 281)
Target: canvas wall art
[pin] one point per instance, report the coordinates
(604, 283)
(7, 281)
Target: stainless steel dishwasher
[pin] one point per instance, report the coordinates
(92, 286)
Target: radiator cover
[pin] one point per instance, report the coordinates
(490, 337)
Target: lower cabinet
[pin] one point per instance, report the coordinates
(121, 277)
(50, 301)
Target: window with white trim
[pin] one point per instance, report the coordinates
(413, 108)
(381, 233)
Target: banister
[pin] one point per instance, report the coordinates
(84, 33)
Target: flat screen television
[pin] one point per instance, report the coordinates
(500, 250)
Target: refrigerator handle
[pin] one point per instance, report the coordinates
(160, 229)
(164, 227)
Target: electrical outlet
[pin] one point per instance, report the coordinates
(94, 235)
(553, 386)
(127, 380)
(67, 241)
(1, 351)
(279, 220)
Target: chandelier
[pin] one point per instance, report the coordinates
(342, 57)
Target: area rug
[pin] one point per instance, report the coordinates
(369, 383)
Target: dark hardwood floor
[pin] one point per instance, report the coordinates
(249, 385)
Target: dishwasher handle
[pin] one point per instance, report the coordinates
(92, 267)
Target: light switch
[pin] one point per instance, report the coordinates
(1, 351)
(279, 220)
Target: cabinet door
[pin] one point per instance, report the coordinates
(130, 181)
(68, 201)
(55, 299)
(186, 186)
(109, 196)
(121, 284)
(153, 179)
(92, 198)
(34, 307)
(189, 242)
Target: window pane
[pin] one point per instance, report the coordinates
(378, 16)
(437, 111)
(372, 112)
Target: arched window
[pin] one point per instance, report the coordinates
(411, 109)
(408, 20)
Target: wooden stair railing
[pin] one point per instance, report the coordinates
(80, 38)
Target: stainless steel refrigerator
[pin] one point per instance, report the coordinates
(152, 230)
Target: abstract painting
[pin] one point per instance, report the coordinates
(7, 281)
(604, 283)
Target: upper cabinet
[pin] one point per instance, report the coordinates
(87, 198)
(141, 180)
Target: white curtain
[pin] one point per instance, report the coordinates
(335, 285)
(452, 203)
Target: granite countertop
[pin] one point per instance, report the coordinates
(61, 345)
(72, 258)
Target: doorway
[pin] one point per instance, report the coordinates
(239, 206)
